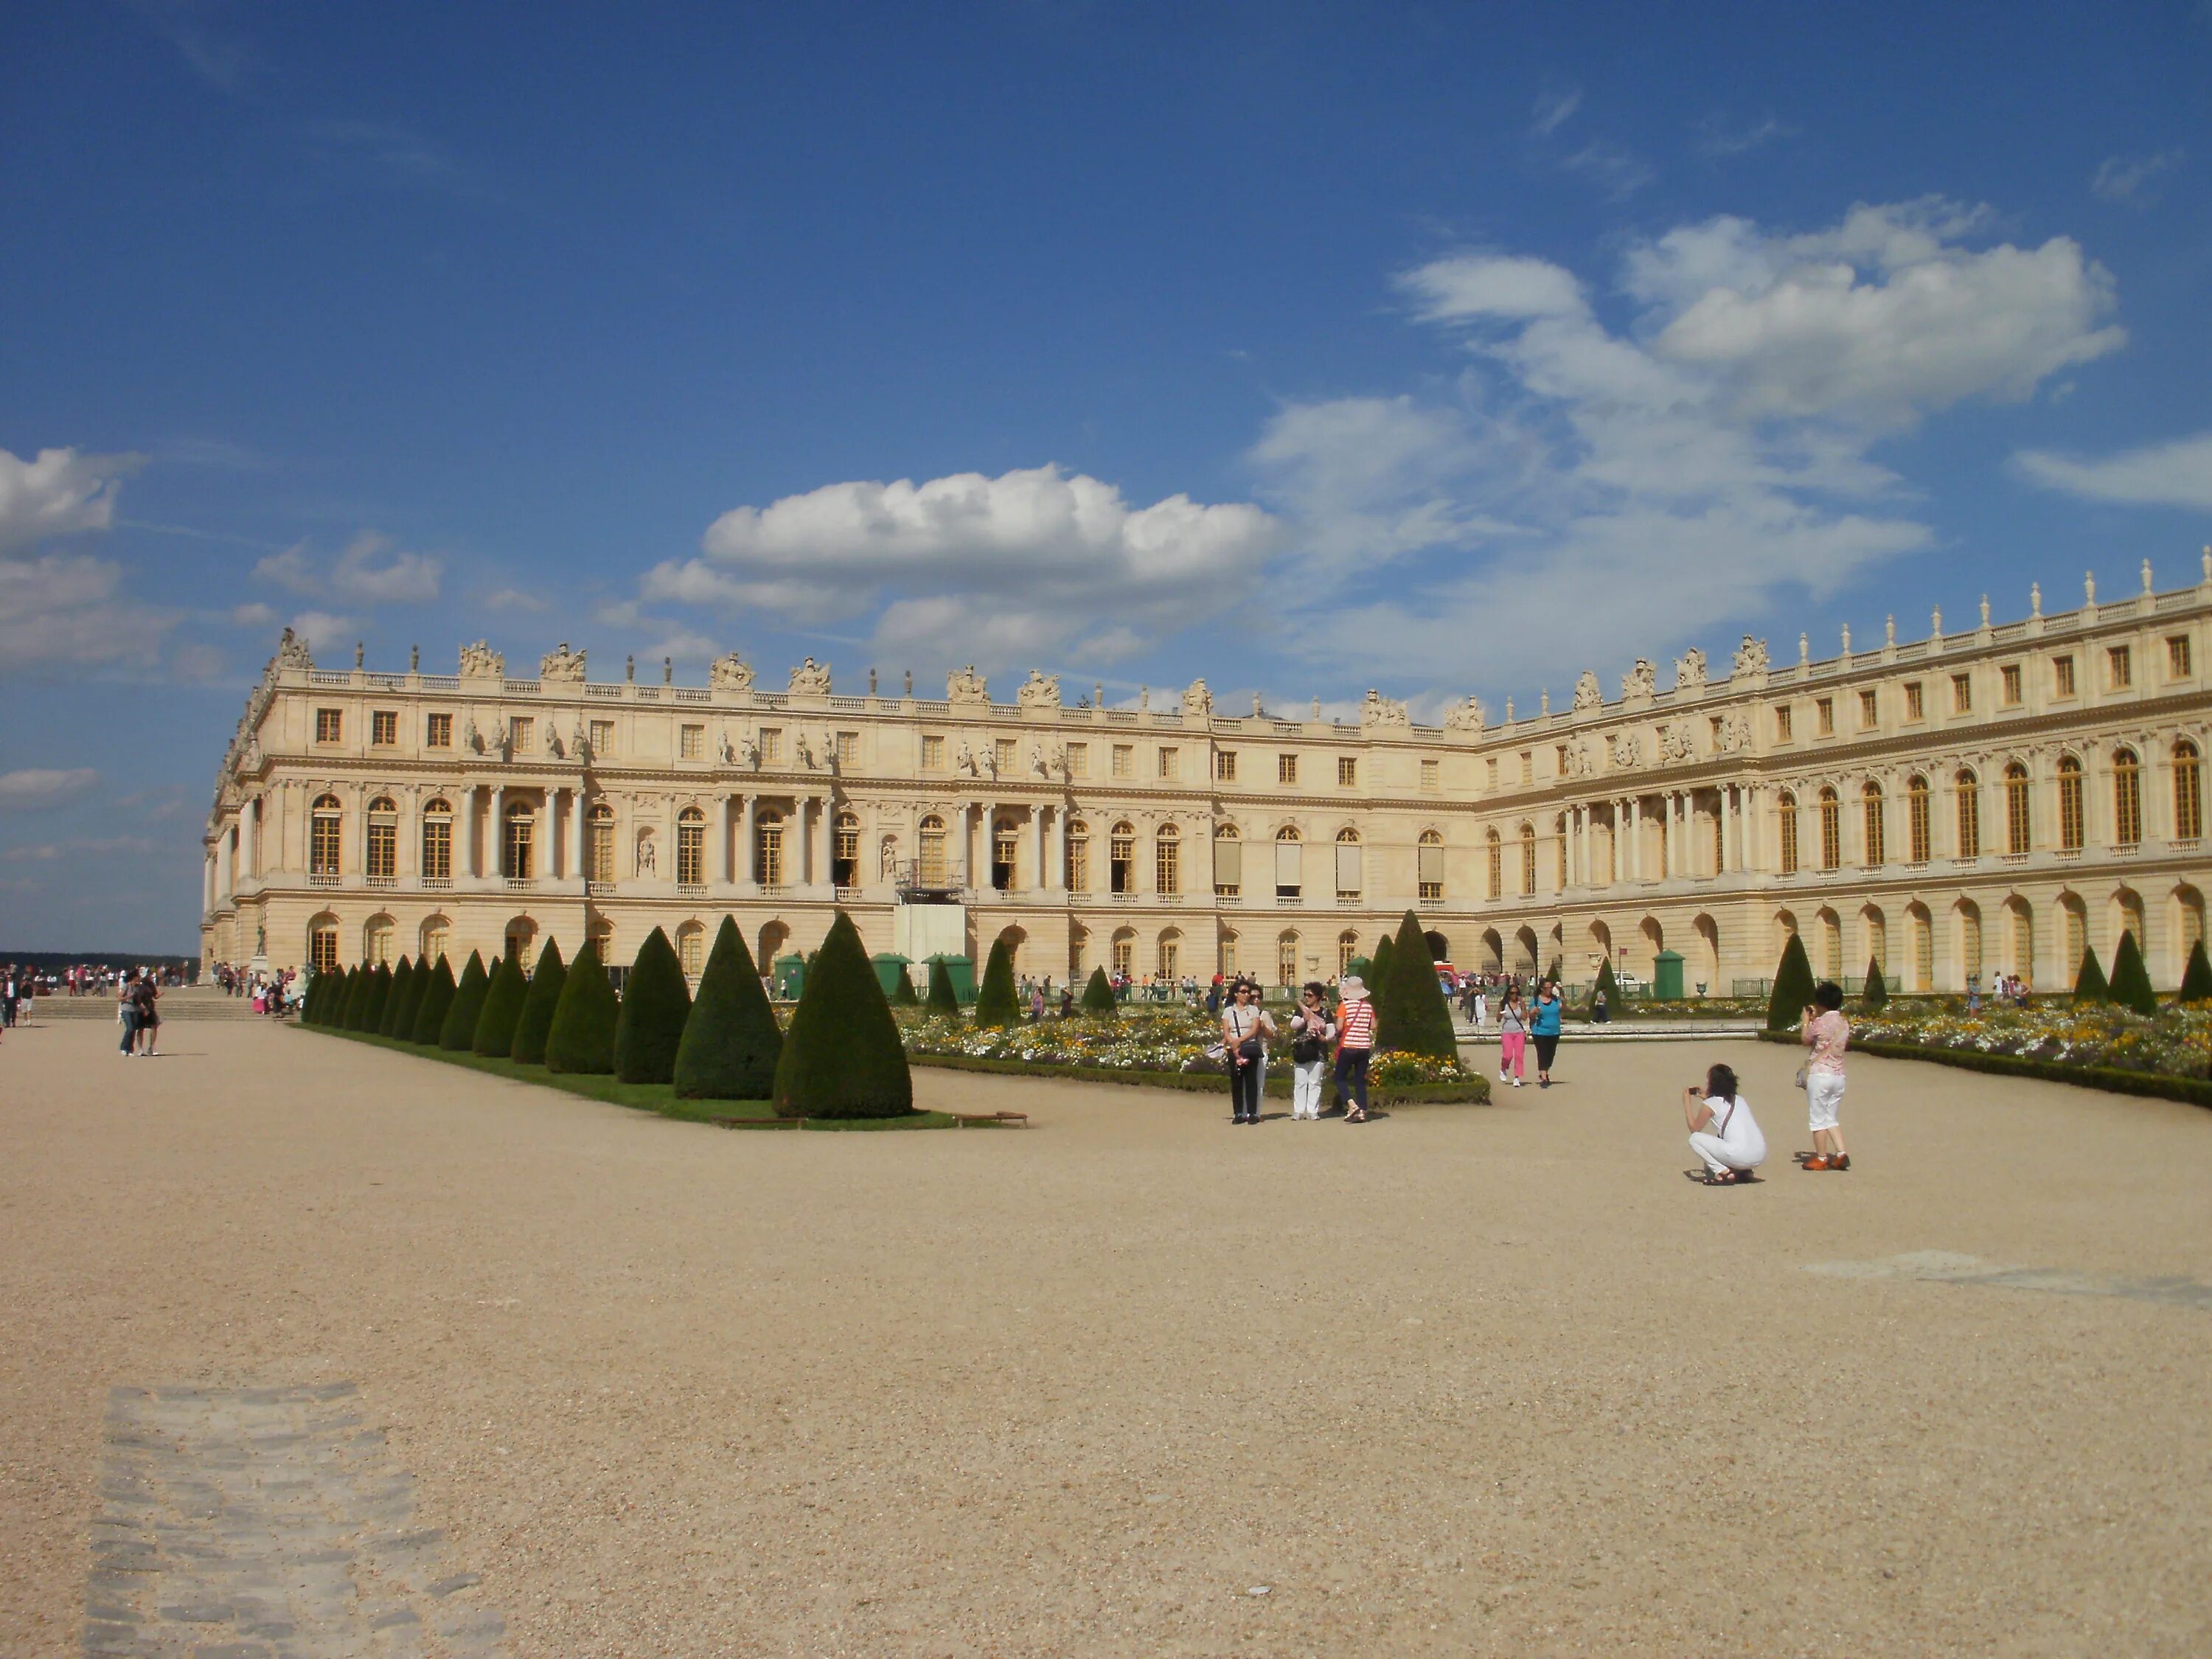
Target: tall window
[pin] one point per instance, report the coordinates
(436, 932)
(1868, 706)
(1286, 959)
(1121, 858)
(767, 849)
(1970, 815)
(1227, 864)
(1079, 856)
(2177, 656)
(2062, 677)
(1877, 842)
(329, 725)
(1228, 950)
(1970, 942)
(1170, 955)
(1170, 763)
(1005, 846)
(1962, 694)
(1350, 870)
(2077, 936)
(384, 727)
(1916, 818)
(2120, 666)
(2008, 685)
(1527, 858)
(1824, 716)
(1923, 950)
(691, 848)
(438, 842)
(1124, 760)
(1125, 955)
(381, 847)
(1347, 771)
(690, 743)
(1002, 754)
(771, 747)
(1495, 849)
(1782, 724)
(691, 948)
(1224, 765)
(377, 946)
(2070, 803)
(1878, 940)
(520, 729)
(323, 946)
(1430, 872)
(602, 739)
(1079, 760)
(932, 754)
(1432, 775)
(519, 840)
(932, 869)
(2127, 799)
(1786, 811)
(2016, 819)
(845, 861)
(438, 732)
(1290, 871)
(1831, 830)
(325, 831)
(1347, 947)
(602, 843)
(1286, 771)
(2187, 792)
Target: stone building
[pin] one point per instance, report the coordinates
(1995, 800)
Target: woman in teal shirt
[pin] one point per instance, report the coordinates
(1544, 1027)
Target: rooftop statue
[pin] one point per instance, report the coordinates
(292, 652)
(810, 679)
(730, 672)
(1040, 690)
(1750, 656)
(1464, 716)
(1197, 701)
(562, 667)
(480, 662)
(1690, 670)
(1587, 695)
(966, 685)
(1376, 709)
(1641, 683)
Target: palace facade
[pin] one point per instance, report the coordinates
(1998, 799)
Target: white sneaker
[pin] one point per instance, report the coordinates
(1517, 1082)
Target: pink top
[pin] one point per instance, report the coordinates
(1828, 1035)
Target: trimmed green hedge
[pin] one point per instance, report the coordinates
(1476, 1091)
(2158, 1085)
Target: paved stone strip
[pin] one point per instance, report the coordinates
(1942, 1266)
(267, 1523)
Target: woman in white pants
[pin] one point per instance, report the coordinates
(1722, 1130)
(1311, 1032)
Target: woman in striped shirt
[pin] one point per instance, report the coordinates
(1355, 1041)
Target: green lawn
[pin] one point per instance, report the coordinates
(657, 1097)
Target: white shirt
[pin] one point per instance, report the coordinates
(1735, 1129)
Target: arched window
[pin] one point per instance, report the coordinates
(1167, 860)
(1286, 959)
(845, 861)
(438, 841)
(376, 941)
(602, 938)
(518, 844)
(1079, 856)
(522, 942)
(1916, 818)
(2075, 920)
(1430, 857)
(2070, 803)
(1786, 812)
(1350, 873)
(2127, 799)
(323, 944)
(325, 832)
(1121, 858)
(1877, 930)
(1290, 878)
(691, 848)
(1005, 846)
(2016, 819)
(1832, 945)
(1970, 814)
(1527, 858)
(1831, 830)
(1124, 954)
(1227, 864)
(600, 840)
(767, 850)
(380, 845)
(2187, 792)
(931, 867)
(1170, 955)
(1347, 947)
(1877, 842)
(437, 932)
(1227, 967)
(691, 948)
(1970, 942)
(1494, 849)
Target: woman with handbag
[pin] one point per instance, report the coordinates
(1245, 1029)
(1311, 1032)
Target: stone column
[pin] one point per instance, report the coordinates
(580, 821)
(206, 884)
(472, 852)
(1728, 832)
(726, 855)
(1041, 880)
(1633, 868)
(496, 854)
(747, 877)
(818, 845)
(1059, 850)
(223, 866)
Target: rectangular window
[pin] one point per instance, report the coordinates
(1823, 717)
(2008, 690)
(691, 743)
(1528, 766)
(1489, 771)
(1962, 694)
(1124, 760)
(1432, 775)
(849, 748)
(2177, 656)
(1914, 708)
(1167, 866)
(1782, 725)
(2062, 677)
(602, 739)
(1228, 868)
(1079, 760)
(384, 727)
(2120, 666)
(521, 728)
(1002, 754)
(329, 725)
(1170, 763)
(1286, 768)
(932, 754)
(1868, 710)
(1429, 869)
(438, 847)
(1224, 765)
(1347, 772)
(438, 732)
(771, 746)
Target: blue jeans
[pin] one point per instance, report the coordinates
(1351, 1078)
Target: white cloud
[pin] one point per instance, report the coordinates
(1472, 286)
(2136, 178)
(58, 494)
(34, 787)
(514, 598)
(1552, 110)
(2176, 474)
(255, 615)
(51, 851)
(1716, 137)
(69, 609)
(1617, 172)
(322, 631)
(1020, 563)
(369, 572)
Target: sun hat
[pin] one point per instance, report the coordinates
(1351, 988)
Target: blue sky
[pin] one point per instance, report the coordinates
(1445, 350)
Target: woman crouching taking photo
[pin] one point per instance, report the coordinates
(1722, 1130)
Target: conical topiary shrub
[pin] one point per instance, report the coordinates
(2197, 977)
(1793, 988)
(996, 1002)
(356, 1003)
(2089, 984)
(437, 999)
(1098, 993)
(941, 999)
(327, 992)
(459, 1029)
(1378, 979)
(1616, 1000)
(1877, 994)
(551, 974)
(2130, 986)
(502, 1011)
(380, 993)
(902, 992)
(731, 1041)
(406, 996)
(582, 1037)
(655, 1003)
(842, 1057)
(1413, 1017)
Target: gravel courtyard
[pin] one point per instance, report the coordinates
(1465, 1380)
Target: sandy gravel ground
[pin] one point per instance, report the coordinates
(1462, 1382)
